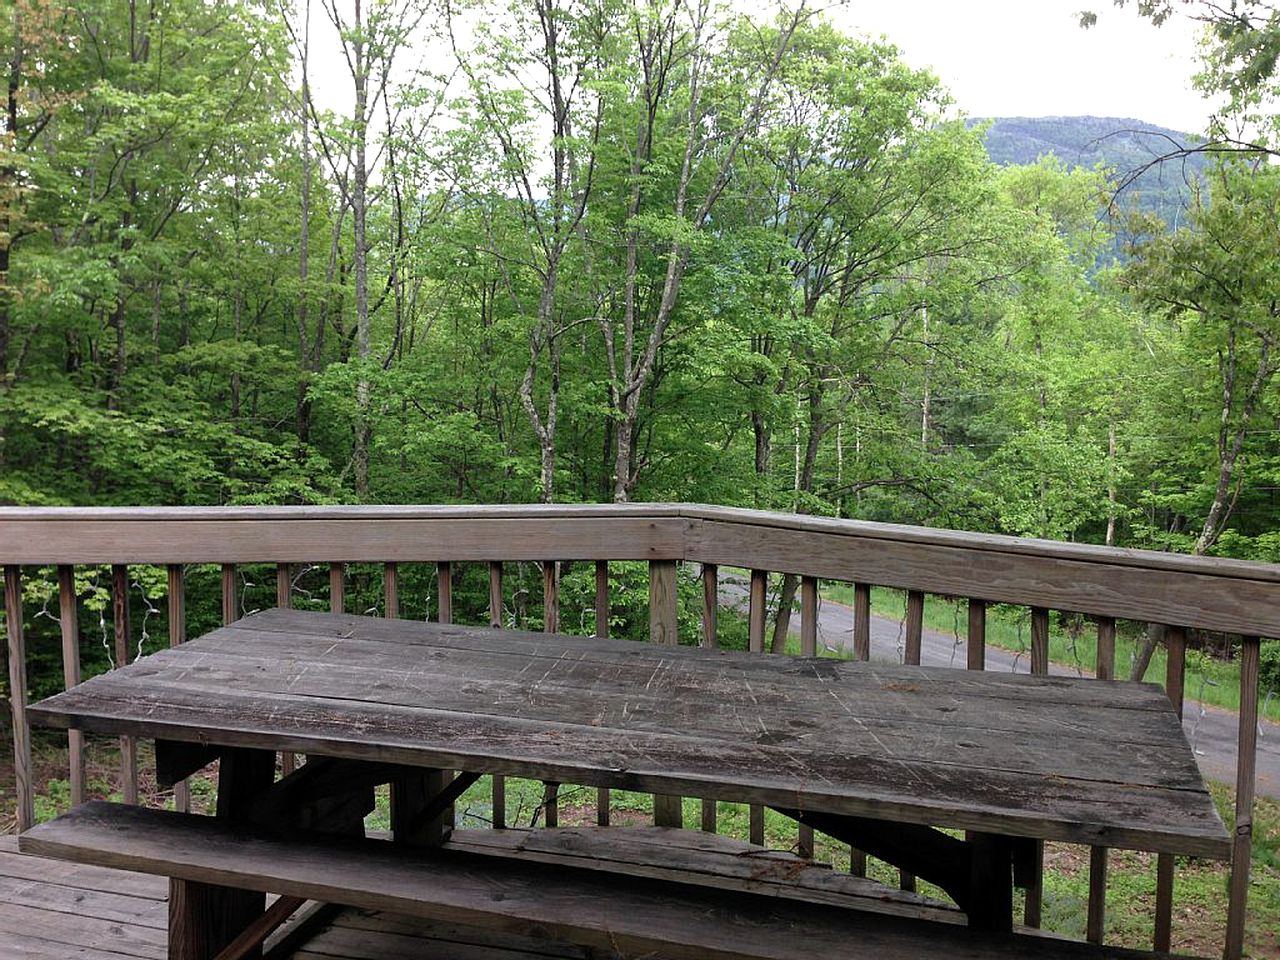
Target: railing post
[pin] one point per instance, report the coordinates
(18, 696)
(1095, 927)
(284, 585)
(120, 619)
(1246, 762)
(710, 605)
(664, 629)
(1039, 667)
(69, 624)
(499, 784)
(1175, 639)
(550, 597)
(756, 614)
(915, 628)
(177, 635)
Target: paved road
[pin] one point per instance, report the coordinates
(1211, 731)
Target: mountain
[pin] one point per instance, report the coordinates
(1123, 145)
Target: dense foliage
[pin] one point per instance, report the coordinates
(609, 251)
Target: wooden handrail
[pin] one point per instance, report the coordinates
(1229, 596)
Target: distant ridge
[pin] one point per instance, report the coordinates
(1120, 143)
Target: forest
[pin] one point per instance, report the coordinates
(600, 250)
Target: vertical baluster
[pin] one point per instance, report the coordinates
(230, 606)
(1095, 927)
(390, 590)
(495, 620)
(284, 601)
(337, 588)
(1175, 639)
(710, 605)
(755, 641)
(18, 696)
(444, 590)
(911, 657)
(550, 624)
(69, 621)
(602, 598)
(668, 811)
(710, 638)
(808, 648)
(602, 630)
(861, 651)
(914, 628)
(1246, 765)
(756, 611)
(1039, 667)
(550, 597)
(976, 645)
(120, 621)
(178, 635)
(495, 594)
(861, 621)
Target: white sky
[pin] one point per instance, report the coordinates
(997, 57)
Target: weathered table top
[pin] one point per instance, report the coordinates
(1048, 757)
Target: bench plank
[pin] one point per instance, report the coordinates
(628, 915)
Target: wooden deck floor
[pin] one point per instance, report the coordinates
(50, 910)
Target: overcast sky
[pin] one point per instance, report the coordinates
(998, 57)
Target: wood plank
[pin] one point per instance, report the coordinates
(69, 627)
(80, 877)
(75, 934)
(1106, 582)
(862, 621)
(725, 864)
(637, 916)
(55, 899)
(866, 778)
(17, 657)
(352, 535)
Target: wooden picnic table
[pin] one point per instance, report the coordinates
(876, 756)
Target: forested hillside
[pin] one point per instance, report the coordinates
(1129, 148)
(600, 251)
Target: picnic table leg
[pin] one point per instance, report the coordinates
(204, 917)
(990, 905)
(410, 795)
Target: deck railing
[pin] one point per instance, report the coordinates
(1173, 591)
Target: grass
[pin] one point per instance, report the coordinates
(1209, 680)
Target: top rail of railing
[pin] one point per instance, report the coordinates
(1201, 592)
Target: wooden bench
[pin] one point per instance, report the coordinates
(628, 915)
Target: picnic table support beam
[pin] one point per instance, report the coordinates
(204, 919)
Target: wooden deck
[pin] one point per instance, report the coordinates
(51, 910)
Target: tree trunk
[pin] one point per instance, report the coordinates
(359, 209)
(302, 413)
